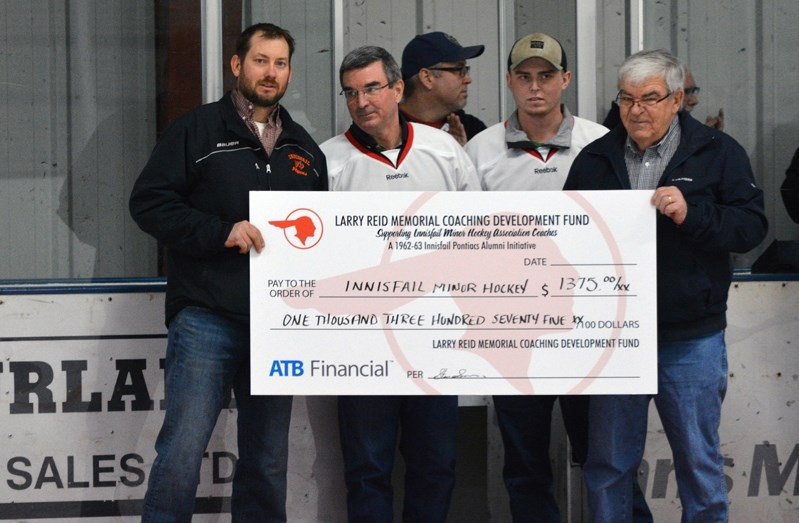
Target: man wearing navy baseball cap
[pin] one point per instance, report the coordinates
(437, 82)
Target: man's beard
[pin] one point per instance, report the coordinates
(252, 95)
(454, 105)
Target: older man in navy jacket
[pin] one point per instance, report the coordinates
(708, 206)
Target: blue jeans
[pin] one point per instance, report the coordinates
(692, 382)
(207, 356)
(525, 426)
(369, 426)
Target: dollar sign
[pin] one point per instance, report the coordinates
(544, 288)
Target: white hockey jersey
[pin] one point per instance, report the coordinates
(527, 168)
(428, 160)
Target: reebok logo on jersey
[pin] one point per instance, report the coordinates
(301, 164)
(397, 176)
(546, 170)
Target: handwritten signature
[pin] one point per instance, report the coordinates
(442, 375)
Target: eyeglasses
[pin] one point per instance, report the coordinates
(691, 90)
(461, 71)
(628, 102)
(368, 92)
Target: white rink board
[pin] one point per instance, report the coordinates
(760, 416)
(761, 406)
(82, 440)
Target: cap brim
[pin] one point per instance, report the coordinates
(412, 67)
(556, 66)
(473, 51)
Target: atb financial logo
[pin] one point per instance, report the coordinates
(286, 369)
(302, 228)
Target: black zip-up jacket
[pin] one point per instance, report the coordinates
(195, 187)
(725, 214)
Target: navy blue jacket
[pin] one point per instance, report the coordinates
(196, 186)
(725, 214)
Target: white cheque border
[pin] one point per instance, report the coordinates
(454, 293)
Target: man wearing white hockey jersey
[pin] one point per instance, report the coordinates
(533, 151)
(382, 151)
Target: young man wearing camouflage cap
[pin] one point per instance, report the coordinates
(533, 150)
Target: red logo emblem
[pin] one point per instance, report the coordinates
(302, 228)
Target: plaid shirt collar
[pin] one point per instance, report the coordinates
(274, 125)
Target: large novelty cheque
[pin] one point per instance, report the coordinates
(386, 293)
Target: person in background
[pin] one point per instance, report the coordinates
(789, 189)
(437, 83)
(193, 197)
(708, 206)
(692, 99)
(382, 151)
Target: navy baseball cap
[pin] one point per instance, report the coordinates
(429, 49)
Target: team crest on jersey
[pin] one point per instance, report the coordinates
(301, 164)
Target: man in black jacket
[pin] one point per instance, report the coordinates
(708, 206)
(193, 197)
(437, 84)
